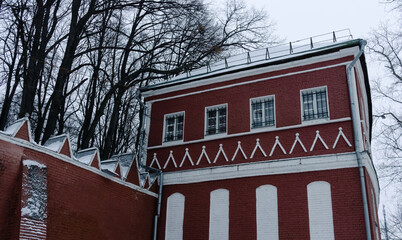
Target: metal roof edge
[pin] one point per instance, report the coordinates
(258, 64)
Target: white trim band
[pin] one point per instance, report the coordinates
(273, 167)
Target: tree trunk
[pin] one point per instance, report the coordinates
(107, 150)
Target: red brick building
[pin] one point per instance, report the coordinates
(275, 145)
(277, 148)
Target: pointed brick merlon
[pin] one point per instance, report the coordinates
(20, 129)
(59, 144)
(89, 157)
(33, 200)
(132, 174)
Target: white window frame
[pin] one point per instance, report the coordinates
(262, 128)
(217, 125)
(314, 105)
(174, 131)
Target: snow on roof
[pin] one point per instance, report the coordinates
(86, 156)
(109, 165)
(126, 160)
(55, 143)
(13, 128)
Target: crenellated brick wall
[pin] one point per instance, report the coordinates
(81, 201)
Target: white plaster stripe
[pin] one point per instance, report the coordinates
(277, 143)
(174, 217)
(344, 138)
(155, 160)
(170, 158)
(317, 136)
(297, 140)
(219, 215)
(258, 146)
(219, 152)
(267, 213)
(186, 155)
(203, 153)
(269, 167)
(320, 211)
(237, 150)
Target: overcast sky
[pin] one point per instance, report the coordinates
(297, 19)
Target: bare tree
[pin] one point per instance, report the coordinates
(385, 46)
(11, 59)
(392, 227)
(158, 45)
(75, 65)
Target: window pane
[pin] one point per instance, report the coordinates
(179, 127)
(269, 113)
(222, 120)
(315, 104)
(174, 127)
(322, 111)
(308, 106)
(169, 129)
(211, 128)
(257, 116)
(263, 113)
(216, 120)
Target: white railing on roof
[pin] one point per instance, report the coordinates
(277, 51)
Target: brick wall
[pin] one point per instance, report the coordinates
(293, 219)
(81, 204)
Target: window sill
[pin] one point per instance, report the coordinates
(171, 143)
(315, 121)
(215, 136)
(262, 129)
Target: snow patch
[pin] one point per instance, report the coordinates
(34, 191)
(85, 156)
(30, 163)
(55, 143)
(126, 161)
(13, 128)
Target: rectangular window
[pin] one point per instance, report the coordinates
(263, 112)
(174, 127)
(314, 103)
(216, 120)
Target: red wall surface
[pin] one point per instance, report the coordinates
(293, 219)
(287, 103)
(80, 204)
(288, 113)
